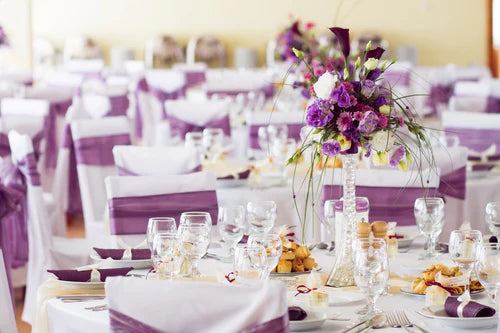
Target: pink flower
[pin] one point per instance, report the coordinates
(308, 76)
(358, 115)
(347, 86)
(382, 120)
(310, 25)
(344, 121)
(318, 71)
(401, 122)
(353, 101)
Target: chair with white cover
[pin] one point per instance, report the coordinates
(470, 96)
(147, 161)
(162, 51)
(207, 49)
(7, 318)
(132, 200)
(61, 78)
(93, 141)
(45, 251)
(105, 100)
(258, 309)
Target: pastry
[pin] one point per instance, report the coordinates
(309, 263)
(284, 266)
(435, 295)
(288, 256)
(302, 252)
(298, 265)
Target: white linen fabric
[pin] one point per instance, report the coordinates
(280, 117)
(91, 177)
(156, 160)
(97, 105)
(166, 80)
(45, 251)
(197, 112)
(470, 120)
(7, 318)
(196, 306)
(236, 80)
(85, 65)
(61, 78)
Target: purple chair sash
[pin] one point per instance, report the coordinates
(36, 139)
(119, 106)
(122, 323)
(4, 145)
(194, 78)
(129, 215)
(476, 139)
(489, 158)
(452, 184)
(179, 127)
(439, 94)
(493, 104)
(74, 196)
(98, 150)
(126, 172)
(162, 96)
(56, 109)
(253, 134)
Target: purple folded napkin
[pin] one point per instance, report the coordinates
(244, 239)
(472, 309)
(296, 313)
(482, 167)
(241, 175)
(84, 276)
(117, 254)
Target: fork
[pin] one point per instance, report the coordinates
(101, 307)
(403, 319)
(394, 322)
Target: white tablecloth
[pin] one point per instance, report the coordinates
(72, 317)
(480, 191)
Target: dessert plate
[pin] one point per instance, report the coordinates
(438, 312)
(313, 321)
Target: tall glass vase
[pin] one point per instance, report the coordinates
(342, 274)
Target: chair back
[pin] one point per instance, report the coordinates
(7, 318)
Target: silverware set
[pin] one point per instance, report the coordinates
(399, 319)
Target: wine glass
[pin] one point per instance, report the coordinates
(329, 221)
(166, 256)
(249, 263)
(194, 140)
(261, 215)
(159, 225)
(194, 240)
(263, 138)
(464, 250)
(277, 133)
(488, 269)
(196, 218)
(281, 151)
(272, 244)
(371, 270)
(493, 218)
(231, 224)
(429, 214)
(212, 143)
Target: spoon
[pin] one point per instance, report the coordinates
(376, 322)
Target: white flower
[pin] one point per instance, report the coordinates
(325, 84)
(371, 64)
(382, 141)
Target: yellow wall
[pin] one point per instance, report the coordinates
(443, 30)
(14, 19)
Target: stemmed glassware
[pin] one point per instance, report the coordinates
(272, 245)
(249, 263)
(194, 140)
(269, 135)
(261, 215)
(196, 218)
(371, 270)
(231, 224)
(167, 259)
(493, 218)
(464, 250)
(429, 214)
(212, 143)
(488, 269)
(194, 240)
(159, 225)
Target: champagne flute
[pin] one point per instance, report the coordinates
(195, 240)
(249, 263)
(429, 215)
(371, 271)
(488, 269)
(166, 256)
(493, 218)
(464, 250)
(272, 244)
(159, 225)
(231, 224)
(261, 215)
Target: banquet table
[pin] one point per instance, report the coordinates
(73, 317)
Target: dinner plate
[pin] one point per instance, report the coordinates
(334, 298)
(407, 291)
(294, 273)
(406, 241)
(137, 264)
(82, 285)
(438, 312)
(228, 183)
(313, 321)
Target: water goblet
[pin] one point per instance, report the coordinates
(261, 215)
(250, 262)
(196, 218)
(488, 269)
(194, 140)
(464, 250)
(429, 215)
(166, 256)
(493, 217)
(231, 224)
(263, 138)
(272, 244)
(194, 240)
(371, 271)
(159, 225)
(212, 143)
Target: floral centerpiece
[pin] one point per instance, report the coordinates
(293, 37)
(353, 110)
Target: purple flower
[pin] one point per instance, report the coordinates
(396, 156)
(344, 121)
(341, 97)
(369, 123)
(343, 38)
(358, 115)
(330, 148)
(379, 101)
(318, 113)
(305, 93)
(368, 148)
(374, 74)
(368, 88)
(375, 53)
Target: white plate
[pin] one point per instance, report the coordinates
(137, 264)
(294, 273)
(313, 321)
(334, 298)
(406, 241)
(227, 183)
(438, 312)
(406, 290)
